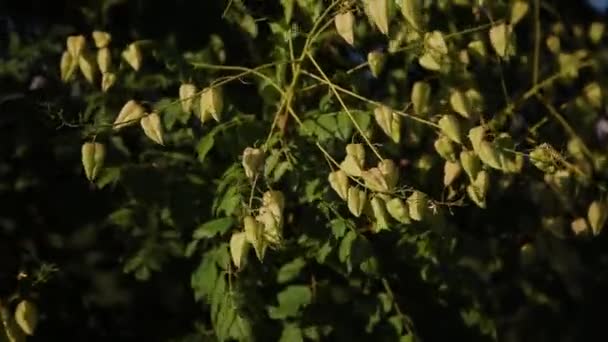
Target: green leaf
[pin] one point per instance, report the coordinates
(345, 126)
(345, 246)
(290, 270)
(339, 227)
(204, 146)
(291, 333)
(287, 9)
(291, 300)
(213, 228)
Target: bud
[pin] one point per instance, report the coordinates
(68, 66)
(76, 45)
(389, 122)
(390, 172)
(87, 66)
(101, 39)
(254, 232)
(470, 163)
(132, 55)
(376, 60)
(211, 104)
(450, 126)
(104, 59)
(357, 199)
(107, 81)
(518, 11)
(380, 213)
(93, 156)
(489, 155)
(398, 210)
(421, 93)
(344, 25)
(417, 204)
(500, 35)
(26, 316)
(130, 113)
(152, 127)
(451, 171)
(445, 148)
(253, 160)
(378, 13)
(186, 96)
(339, 182)
(597, 215)
(238, 249)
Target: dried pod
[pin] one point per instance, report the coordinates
(374, 180)
(380, 214)
(76, 45)
(390, 172)
(542, 158)
(211, 104)
(477, 48)
(274, 201)
(344, 25)
(86, 63)
(378, 13)
(579, 226)
(398, 210)
(93, 156)
(430, 61)
(254, 232)
(500, 37)
(434, 43)
(273, 230)
(421, 94)
(133, 56)
(357, 151)
(253, 160)
(104, 59)
(450, 126)
(187, 92)
(470, 163)
(389, 122)
(152, 127)
(101, 39)
(354, 160)
(445, 148)
(451, 171)
(593, 94)
(339, 182)
(518, 11)
(26, 316)
(489, 155)
(357, 199)
(130, 114)
(67, 66)
(597, 215)
(476, 135)
(107, 80)
(596, 31)
(417, 203)
(376, 60)
(412, 13)
(238, 249)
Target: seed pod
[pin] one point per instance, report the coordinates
(68, 66)
(476, 135)
(378, 13)
(451, 171)
(553, 44)
(107, 81)
(478, 189)
(518, 11)
(477, 48)
(380, 213)
(339, 182)
(152, 127)
(211, 104)
(87, 66)
(93, 156)
(104, 59)
(238, 249)
(275, 202)
(430, 61)
(273, 230)
(470, 163)
(132, 55)
(354, 160)
(357, 199)
(186, 96)
(445, 148)
(489, 155)
(357, 151)
(253, 160)
(596, 31)
(579, 226)
(542, 158)
(450, 126)
(26, 316)
(460, 103)
(390, 173)
(376, 60)
(593, 94)
(597, 215)
(344, 25)
(374, 180)
(411, 11)
(130, 114)
(389, 122)
(76, 45)
(421, 94)
(417, 204)
(254, 232)
(434, 43)
(500, 36)
(398, 210)
(101, 39)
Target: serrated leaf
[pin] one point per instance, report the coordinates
(290, 270)
(212, 228)
(291, 300)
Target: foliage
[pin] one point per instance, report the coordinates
(309, 170)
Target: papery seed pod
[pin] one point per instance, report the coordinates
(130, 114)
(26, 316)
(275, 202)
(460, 103)
(211, 104)
(93, 156)
(152, 127)
(380, 214)
(374, 180)
(357, 199)
(398, 210)
(542, 158)
(434, 42)
(357, 151)
(417, 203)
(273, 230)
(86, 63)
(421, 94)
(593, 94)
(489, 155)
(411, 10)
(597, 215)
(430, 61)
(376, 60)
(68, 66)
(76, 45)
(451, 171)
(553, 44)
(378, 13)
(238, 249)
(596, 31)
(344, 25)
(450, 126)
(470, 163)
(389, 122)
(482, 182)
(187, 92)
(351, 166)
(518, 11)
(339, 182)
(476, 135)
(133, 56)
(579, 226)
(445, 148)
(500, 36)
(253, 160)
(101, 39)
(104, 59)
(476, 197)
(477, 48)
(390, 172)
(254, 232)
(107, 80)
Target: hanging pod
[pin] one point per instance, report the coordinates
(26, 316)
(107, 81)
(254, 232)
(93, 156)
(104, 59)
(377, 10)
(130, 114)
(238, 249)
(376, 60)
(354, 161)
(389, 122)
(253, 160)
(380, 214)
(67, 66)
(344, 25)
(152, 127)
(76, 45)
(597, 215)
(450, 126)
(470, 163)
(102, 39)
(417, 203)
(133, 56)
(398, 210)
(421, 95)
(357, 199)
(186, 96)
(445, 148)
(211, 104)
(339, 182)
(86, 63)
(451, 171)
